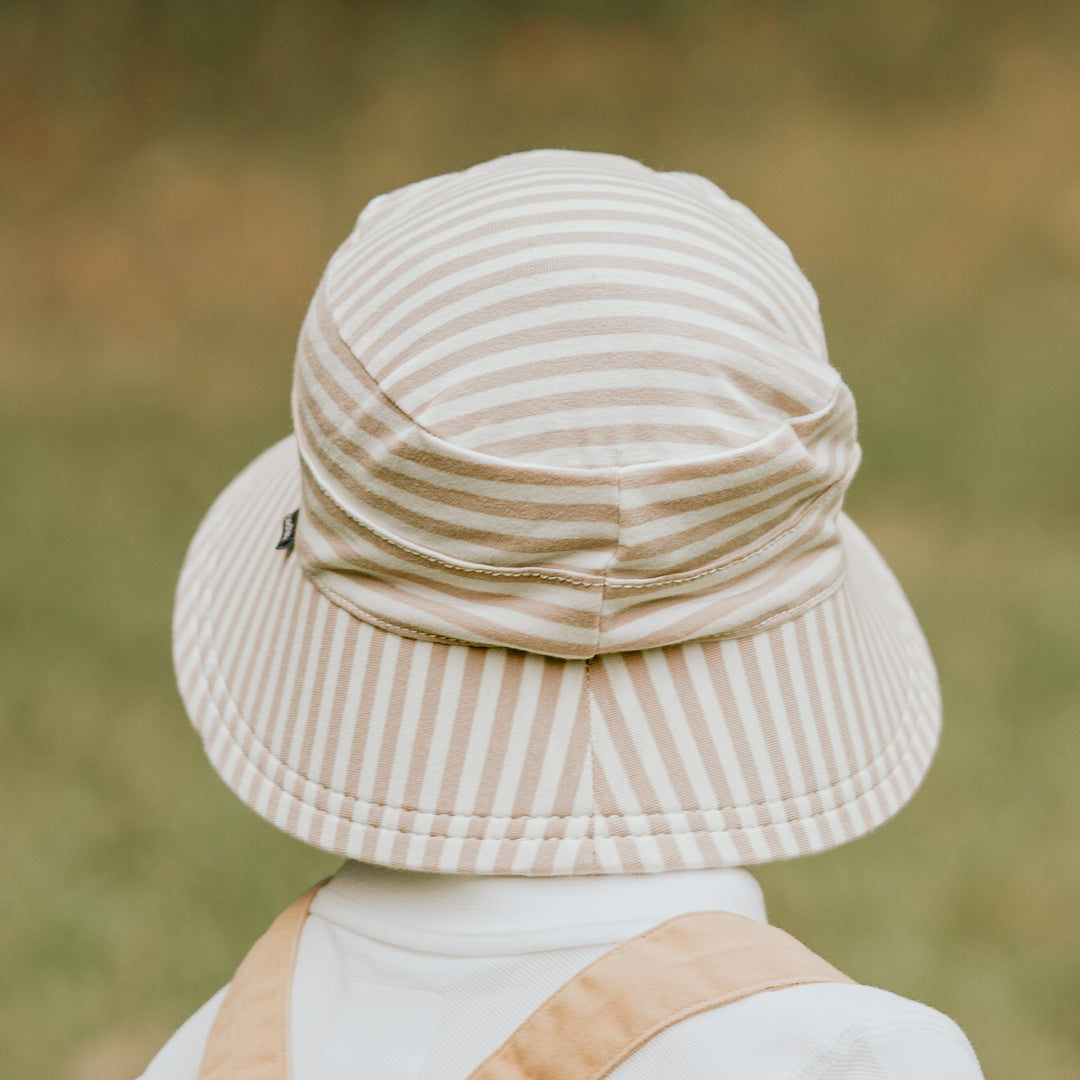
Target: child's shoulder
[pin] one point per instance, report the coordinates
(822, 1031)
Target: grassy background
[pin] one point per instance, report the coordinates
(174, 175)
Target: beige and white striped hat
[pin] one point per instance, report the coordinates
(571, 590)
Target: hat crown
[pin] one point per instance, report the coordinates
(585, 403)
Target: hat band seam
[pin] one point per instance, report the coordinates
(567, 579)
(777, 616)
(400, 629)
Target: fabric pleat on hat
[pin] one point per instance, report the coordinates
(572, 591)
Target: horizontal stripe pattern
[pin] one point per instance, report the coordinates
(460, 759)
(565, 404)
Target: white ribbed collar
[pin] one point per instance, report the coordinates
(481, 915)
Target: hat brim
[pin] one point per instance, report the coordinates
(463, 759)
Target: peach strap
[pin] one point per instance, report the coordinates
(250, 1036)
(681, 967)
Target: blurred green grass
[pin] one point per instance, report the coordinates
(173, 177)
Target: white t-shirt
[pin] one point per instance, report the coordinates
(408, 976)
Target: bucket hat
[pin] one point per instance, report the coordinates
(553, 576)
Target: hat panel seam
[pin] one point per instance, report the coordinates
(599, 623)
(595, 862)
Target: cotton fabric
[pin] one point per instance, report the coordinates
(405, 976)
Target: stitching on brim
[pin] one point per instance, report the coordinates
(653, 834)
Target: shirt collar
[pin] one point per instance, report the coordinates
(490, 915)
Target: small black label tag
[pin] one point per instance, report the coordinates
(288, 532)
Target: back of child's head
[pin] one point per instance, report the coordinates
(570, 589)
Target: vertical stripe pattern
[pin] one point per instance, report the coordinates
(572, 590)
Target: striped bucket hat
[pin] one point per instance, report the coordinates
(553, 576)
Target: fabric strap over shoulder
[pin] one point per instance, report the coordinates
(684, 966)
